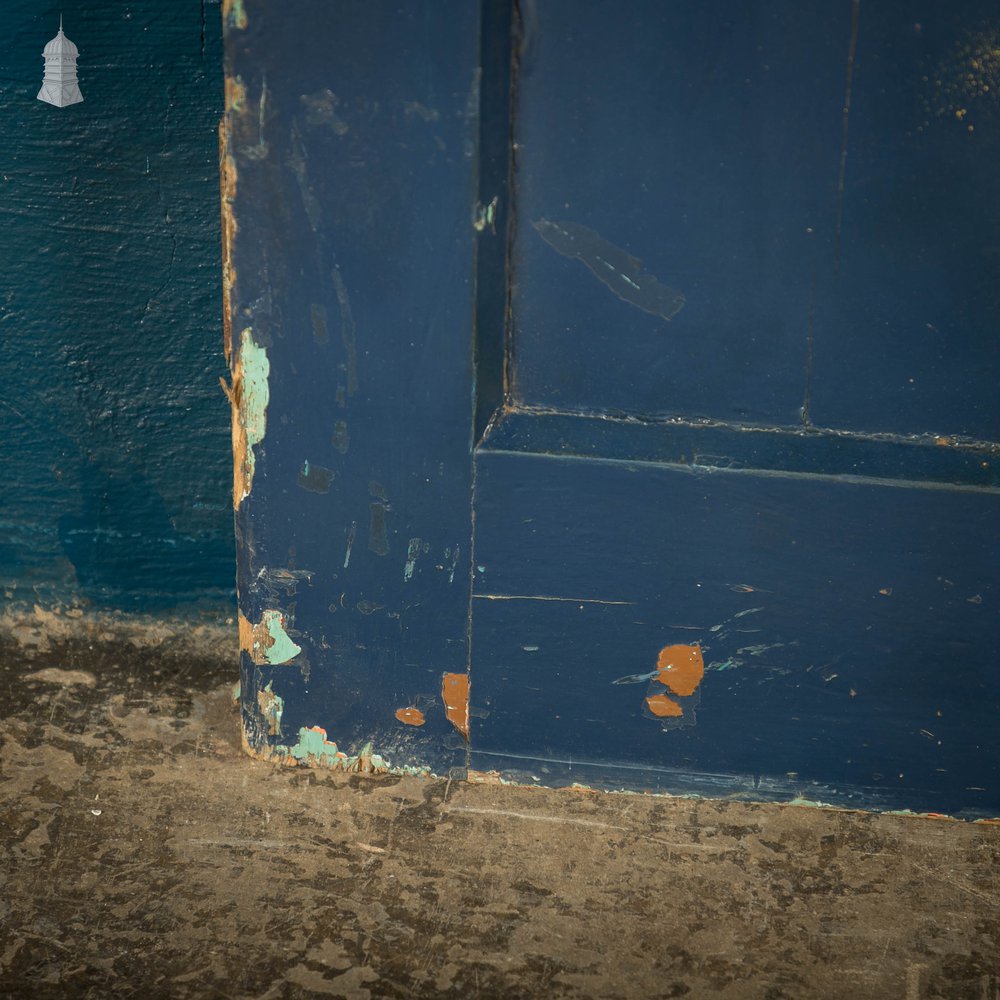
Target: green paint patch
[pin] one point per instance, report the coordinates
(281, 648)
(255, 370)
(315, 750)
(314, 747)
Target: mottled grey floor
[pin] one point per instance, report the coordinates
(145, 856)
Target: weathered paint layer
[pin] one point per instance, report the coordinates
(267, 641)
(314, 746)
(455, 695)
(315, 749)
(234, 13)
(271, 707)
(248, 397)
(235, 95)
(410, 716)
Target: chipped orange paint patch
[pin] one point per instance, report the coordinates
(664, 707)
(410, 716)
(681, 669)
(455, 695)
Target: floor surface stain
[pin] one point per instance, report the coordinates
(145, 855)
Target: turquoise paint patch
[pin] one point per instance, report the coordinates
(255, 371)
(282, 649)
(314, 744)
(314, 748)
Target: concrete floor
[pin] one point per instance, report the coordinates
(145, 856)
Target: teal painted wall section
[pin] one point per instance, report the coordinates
(115, 468)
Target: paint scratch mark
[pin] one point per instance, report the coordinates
(378, 535)
(531, 817)
(612, 266)
(270, 580)
(317, 314)
(347, 331)
(636, 678)
(852, 48)
(452, 554)
(760, 648)
(351, 534)
(414, 549)
(297, 164)
(546, 597)
(455, 695)
(341, 437)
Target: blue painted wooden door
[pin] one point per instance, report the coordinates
(615, 393)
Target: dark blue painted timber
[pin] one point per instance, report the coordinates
(848, 628)
(113, 442)
(673, 428)
(355, 168)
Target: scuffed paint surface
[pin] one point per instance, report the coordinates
(249, 398)
(267, 641)
(410, 716)
(455, 695)
(271, 707)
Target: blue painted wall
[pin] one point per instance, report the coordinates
(731, 532)
(114, 432)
